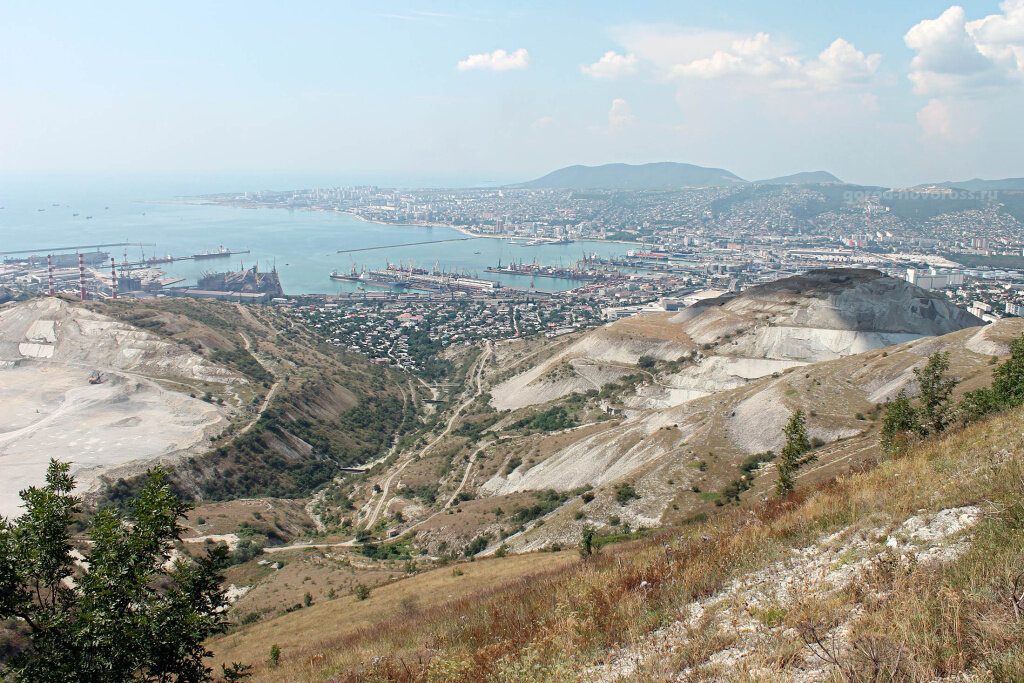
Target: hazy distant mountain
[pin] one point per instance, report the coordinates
(634, 177)
(805, 178)
(979, 184)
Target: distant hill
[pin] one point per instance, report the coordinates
(805, 178)
(979, 184)
(634, 177)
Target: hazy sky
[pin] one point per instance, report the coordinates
(881, 92)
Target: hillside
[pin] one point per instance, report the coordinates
(979, 184)
(803, 178)
(320, 408)
(144, 407)
(902, 567)
(654, 176)
(725, 342)
(240, 401)
(532, 477)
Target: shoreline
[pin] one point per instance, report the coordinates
(199, 201)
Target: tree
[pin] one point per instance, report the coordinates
(935, 399)
(900, 423)
(795, 454)
(1008, 380)
(587, 546)
(1006, 391)
(126, 612)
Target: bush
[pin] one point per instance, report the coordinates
(625, 493)
(361, 591)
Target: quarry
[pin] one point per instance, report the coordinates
(98, 393)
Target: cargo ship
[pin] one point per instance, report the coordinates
(221, 252)
(352, 276)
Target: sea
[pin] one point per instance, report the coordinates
(45, 214)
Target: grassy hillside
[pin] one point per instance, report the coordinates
(326, 408)
(907, 568)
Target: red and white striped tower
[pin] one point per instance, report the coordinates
(49, 270)
(81, 276)
(113, 278)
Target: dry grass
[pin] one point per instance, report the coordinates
(915, 623)
(326, 631)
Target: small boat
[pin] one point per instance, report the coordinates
(88, 218)
(73, 215)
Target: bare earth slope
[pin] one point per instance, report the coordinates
(820, 315)
(141, 410)
(678, 458)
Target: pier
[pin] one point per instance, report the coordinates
(408, 244)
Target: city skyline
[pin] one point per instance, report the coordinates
(464, 94)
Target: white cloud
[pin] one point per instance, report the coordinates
(948, 120)
(499, 60)
(765, 62)
(958, 56)
(620, 114)
(936, 120)
(542, 122)
(611, 66)
(841, 64)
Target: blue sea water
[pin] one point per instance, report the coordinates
(303, 245)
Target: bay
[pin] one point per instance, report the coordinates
(302, 245)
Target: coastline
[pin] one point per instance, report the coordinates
(199, 201)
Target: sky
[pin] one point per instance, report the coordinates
(461, 93)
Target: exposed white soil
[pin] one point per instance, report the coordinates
(818, 316)
(48, 349)
(734, 616)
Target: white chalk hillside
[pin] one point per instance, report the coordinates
(48, 350)
(820, 315)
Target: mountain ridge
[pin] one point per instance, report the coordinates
(802, 178)
(618, 176)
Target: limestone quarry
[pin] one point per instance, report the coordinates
(104, 395)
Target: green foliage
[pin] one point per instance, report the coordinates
(795, 454)
(133, 615)
(1006, 391)
(587, 547)
(362, 592)
(645, 362)
(625, 493)
(979, 403)
(550, 420)
(935, 400)
(753, 462)
(1008, 378)
(900, 424)
(474, 429)
(387, 551)
(275, 655)
(244, 362)
(477, 545)
(547, 501)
